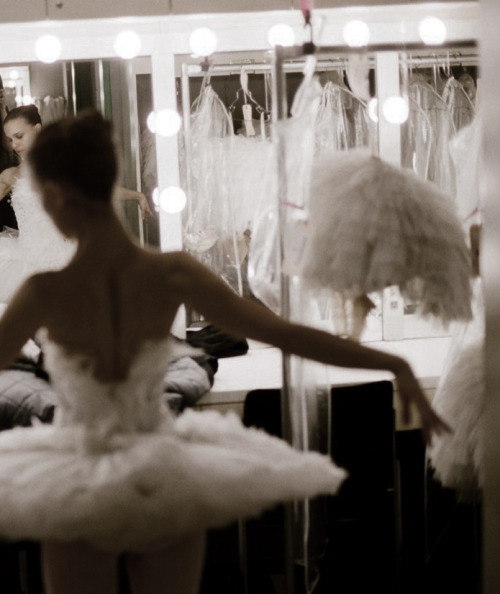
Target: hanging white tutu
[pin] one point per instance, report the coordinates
(459, 400)
(118, 471)
(373, 225)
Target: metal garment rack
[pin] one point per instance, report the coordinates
(282, 56)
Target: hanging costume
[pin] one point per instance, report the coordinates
(459, 398)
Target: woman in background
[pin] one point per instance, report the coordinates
(22, 125)
(8, 160)
(39, 245)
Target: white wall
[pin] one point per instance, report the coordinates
(36, 10)
(490, 51)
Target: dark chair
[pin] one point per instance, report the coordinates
(362, 520)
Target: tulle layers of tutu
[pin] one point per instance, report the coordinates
(147, 488)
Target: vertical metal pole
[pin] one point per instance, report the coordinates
(279, 112)
(134, 138)
(387, 72)
(100, 87)
(73, 86)
(186, 122)
(64, 66)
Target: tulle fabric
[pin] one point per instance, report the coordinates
(295, 151)
(459, 399)
(465, 150)
(373, 225)
(117, 470)
(38, 246)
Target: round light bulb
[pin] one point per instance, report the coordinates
(432, 31)
(11, 84)
(373, 109)
(172, 199)
(167, 122)
(356, 33)
(27, 99)
(127, 44)
(281, 34)
(48, 48)
(13, 75)
(395, 110)
(202, 41)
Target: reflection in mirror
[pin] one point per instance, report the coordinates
(121, 90)
(231, 223)
(441, 143)
(431, 509)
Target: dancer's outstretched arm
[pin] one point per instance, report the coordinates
(203, 291)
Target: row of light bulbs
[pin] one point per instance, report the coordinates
(203, 43)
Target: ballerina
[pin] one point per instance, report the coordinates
(39, 245)
(116, 473)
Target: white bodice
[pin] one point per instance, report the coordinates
(38, 246)
(41, 243)
(103, 409)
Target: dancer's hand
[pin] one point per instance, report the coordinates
(144, 207)
(410, 393)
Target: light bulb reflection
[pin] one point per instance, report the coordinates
(395, 110)
(202, 41)
(373, 109)
(155, 196)
(432, 31)
(48, 48)
(167, 122)
(356, 33)
(172, 200)
(127, 44)
(281, 34)
(151, 122)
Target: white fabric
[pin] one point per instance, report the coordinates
(459, 399)
(373, 225)
(116, 469)
(39, 246)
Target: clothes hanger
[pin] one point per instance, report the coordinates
(243, 93)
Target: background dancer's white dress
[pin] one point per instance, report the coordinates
(38, 246)
(117, 470)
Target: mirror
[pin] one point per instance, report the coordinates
(427, 537)
(431, 523)
(123, 92)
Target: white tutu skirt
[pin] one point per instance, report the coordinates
(456, 457)
(373, 225)
(205, 471)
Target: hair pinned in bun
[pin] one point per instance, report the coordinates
(78, 151)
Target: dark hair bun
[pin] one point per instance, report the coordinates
(78, 151)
